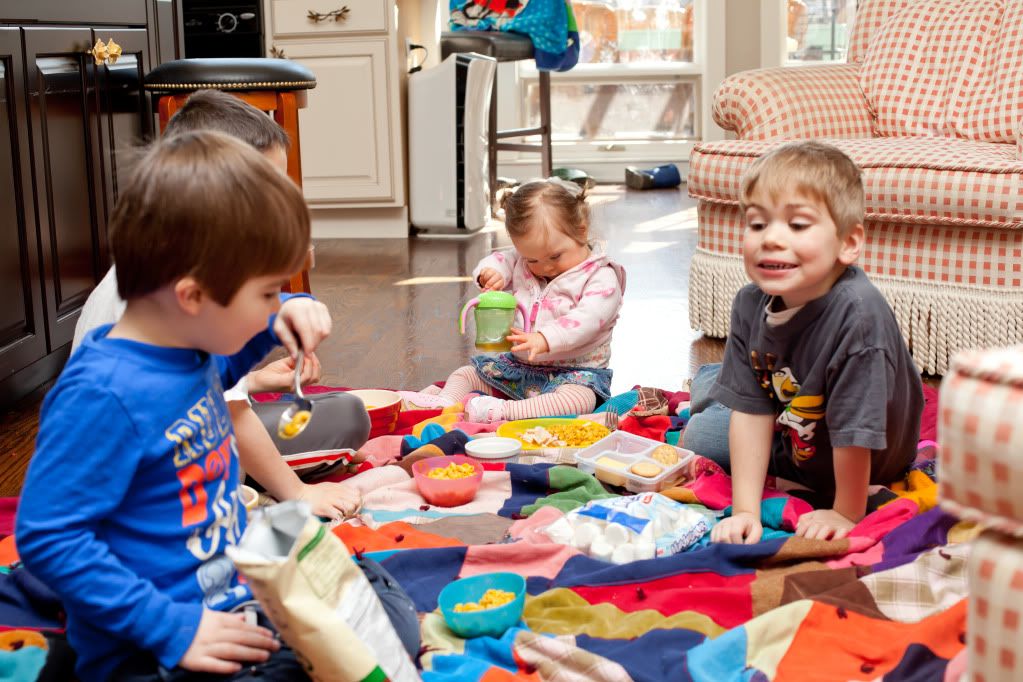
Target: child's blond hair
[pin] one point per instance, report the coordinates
(550, 205)
(207, 205)
(816, 170)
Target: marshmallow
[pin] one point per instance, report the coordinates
(561, 531)
(623, 554)
(600, 549)
(585, 534)
(644, 550)
(616, 534)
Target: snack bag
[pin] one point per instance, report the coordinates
(318, 598)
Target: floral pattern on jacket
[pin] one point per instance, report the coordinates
(576, 311)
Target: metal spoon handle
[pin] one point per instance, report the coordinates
(299, 359)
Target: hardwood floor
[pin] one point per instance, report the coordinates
(395, 306)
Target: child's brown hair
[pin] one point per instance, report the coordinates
(207, 205)
(217, 110)
(818, 171)
(550, 204)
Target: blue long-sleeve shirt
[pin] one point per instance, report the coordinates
(132, 495)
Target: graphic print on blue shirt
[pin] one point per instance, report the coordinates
(204, 448)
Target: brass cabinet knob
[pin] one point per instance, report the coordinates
(105, 54)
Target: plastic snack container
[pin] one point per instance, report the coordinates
(615, 458)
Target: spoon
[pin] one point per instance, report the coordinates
(298, 414)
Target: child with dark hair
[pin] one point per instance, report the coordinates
(343, 421)
(132, 494)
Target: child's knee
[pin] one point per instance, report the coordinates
(705, 436)
(467, 371)
(582, 397)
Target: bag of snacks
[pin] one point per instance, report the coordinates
(318, 598)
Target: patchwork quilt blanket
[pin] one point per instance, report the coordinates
(888, 602)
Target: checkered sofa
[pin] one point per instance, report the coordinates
(980, 429)
(930, 105)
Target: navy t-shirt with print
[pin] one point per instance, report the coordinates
(837, 374)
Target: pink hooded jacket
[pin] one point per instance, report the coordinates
(576, 311)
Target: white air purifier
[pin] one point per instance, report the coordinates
(449, 107)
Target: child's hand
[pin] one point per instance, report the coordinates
(331, 500)
(490, 280)
(279, 375)
(223, 641)
(302, 323)
(534, 342)
(740, 528)
(823, 524)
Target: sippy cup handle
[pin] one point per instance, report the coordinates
(465, 313)
(525, 316)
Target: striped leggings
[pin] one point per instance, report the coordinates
(566, 399)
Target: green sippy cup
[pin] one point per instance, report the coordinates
(494, 315)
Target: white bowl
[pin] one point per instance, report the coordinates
(494, 448)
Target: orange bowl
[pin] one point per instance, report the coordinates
(442, 492)
(383, 408)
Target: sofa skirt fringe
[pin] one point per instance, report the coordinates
(937, 320)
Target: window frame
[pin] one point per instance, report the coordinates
(706, 71)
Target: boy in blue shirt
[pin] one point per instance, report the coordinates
(132, 494)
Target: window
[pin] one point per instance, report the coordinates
(818, 30)
(636, 93)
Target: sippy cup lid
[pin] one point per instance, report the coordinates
(496, 299)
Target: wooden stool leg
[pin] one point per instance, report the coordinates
(167, 105)
(546, 163)
(286, 115)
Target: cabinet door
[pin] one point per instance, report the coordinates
(60, 77)
(347, 128)
(123, 115)
(22, 324)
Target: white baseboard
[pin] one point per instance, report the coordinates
(360, 223)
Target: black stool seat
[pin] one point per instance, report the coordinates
(501, 45)
(230, 74)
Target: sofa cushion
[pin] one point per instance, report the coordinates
(920, 180)
(870, 16)
(948, 68)
(927, 254)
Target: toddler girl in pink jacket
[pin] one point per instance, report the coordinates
(573, 294)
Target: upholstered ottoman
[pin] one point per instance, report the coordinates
(993, 621)
(980, 468)
(980, 474)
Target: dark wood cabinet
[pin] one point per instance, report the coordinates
(22, 324)
(70, 126)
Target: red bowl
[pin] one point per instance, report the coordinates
(383, 408)
(442, 492)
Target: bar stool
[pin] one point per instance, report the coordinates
(506, 47)
(270, 85)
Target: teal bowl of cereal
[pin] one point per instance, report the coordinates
(483, 605)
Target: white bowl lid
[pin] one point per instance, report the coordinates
(493, 447)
